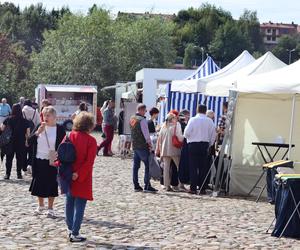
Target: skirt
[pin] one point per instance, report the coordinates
(44, 183)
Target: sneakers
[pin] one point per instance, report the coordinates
(77, 238)
(39, 210)
(150, 189)
(138, 189)
(6, 177)
(50, 213)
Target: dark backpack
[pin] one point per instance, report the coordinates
(5, 136)
(66, 151)
(30, 122)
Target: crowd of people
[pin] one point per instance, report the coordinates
(183, 145)
(35, 138)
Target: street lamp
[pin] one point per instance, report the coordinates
(290, 54)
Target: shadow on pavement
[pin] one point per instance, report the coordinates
(107, 224)
(21, 182)
(116, 246)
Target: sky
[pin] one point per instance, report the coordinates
(286, 11)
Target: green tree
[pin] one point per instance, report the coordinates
(198, 26)
(14, 66)
(249, 25)
(288, 44)
(192, 55)
(228, 43)
(142, 43)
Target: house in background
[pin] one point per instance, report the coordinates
(273, 31)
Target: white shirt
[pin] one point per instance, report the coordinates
(200, 129)
(42, 145)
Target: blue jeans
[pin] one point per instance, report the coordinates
(74, 211)
(141, 155)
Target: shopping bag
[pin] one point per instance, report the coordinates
(154, 168)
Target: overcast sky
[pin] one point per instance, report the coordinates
(268, 10)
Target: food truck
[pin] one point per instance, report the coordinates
(66, 99)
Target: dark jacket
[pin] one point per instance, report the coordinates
(138, 139)
(61, 133)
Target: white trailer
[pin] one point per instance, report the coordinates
(66, 99)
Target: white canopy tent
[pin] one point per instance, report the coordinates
(266, 108)
(195, 86)
(221, 86)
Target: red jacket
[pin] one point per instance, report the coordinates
(86, 149)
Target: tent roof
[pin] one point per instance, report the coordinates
(221, 86)
(285, 80)
(192, 86)
(206, 68)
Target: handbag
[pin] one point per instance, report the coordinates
(175, 141)
(154, 167)
(52, 153)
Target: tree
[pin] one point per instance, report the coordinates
(14, 66)
(286, 44)
(249, 25)
(142, 43)
(95, 49)
(228, 43)
(198, 26)
(192, 55)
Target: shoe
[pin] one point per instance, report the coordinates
(138, 189)
(77, 238)
(192, 192)
(29, 171)
(150, 189)
(169, 189)
(176, 189)
(203, 192)
(98, 150)
(39, 210)
(108, 155)
(69, 233)
(6, 177)
(182, 188)
(50, 213)
(19, 176)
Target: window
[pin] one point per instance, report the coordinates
(268, 30)
(268, 38)
(273, 38)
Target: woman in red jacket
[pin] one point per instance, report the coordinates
(82, 168)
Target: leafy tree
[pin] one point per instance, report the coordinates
(14, 66)
(192, 55)
(198, 26)
(249, 25)
(228, 43)
(286, 44)
(142, 43)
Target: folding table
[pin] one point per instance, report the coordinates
(287, 206)
(266, 146)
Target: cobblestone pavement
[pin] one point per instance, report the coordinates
(118, 218)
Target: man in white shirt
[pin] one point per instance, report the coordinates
(200, 133)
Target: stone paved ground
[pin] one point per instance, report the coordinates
(121, 219)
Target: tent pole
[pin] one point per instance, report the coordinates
(292, 125)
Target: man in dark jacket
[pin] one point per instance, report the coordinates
(142, 145)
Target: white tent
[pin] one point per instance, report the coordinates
(221, 86)
(194, 86)
(267, 107)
